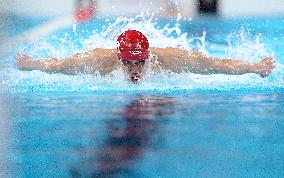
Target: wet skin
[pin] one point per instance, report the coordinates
(134, 69)
(105, 61)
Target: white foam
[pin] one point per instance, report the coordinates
(241, 45)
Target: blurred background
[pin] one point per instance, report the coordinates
(189, 8)
(16, 14)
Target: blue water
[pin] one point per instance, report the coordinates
(245, 39)
(54, 125)
(16, 24)
(129, 135)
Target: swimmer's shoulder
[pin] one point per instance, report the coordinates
(174, 59)
(168, 52)
(102, 53)
(102, 60)
(159, 53)
(164, 56)
(99, 56)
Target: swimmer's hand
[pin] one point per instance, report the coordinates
(24, 62)
(265, 66)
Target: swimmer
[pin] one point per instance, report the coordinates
(135, 57)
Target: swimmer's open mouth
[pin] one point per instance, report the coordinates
(135, 79)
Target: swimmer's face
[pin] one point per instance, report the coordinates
(134, 69)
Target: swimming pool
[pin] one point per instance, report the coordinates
(54, 125)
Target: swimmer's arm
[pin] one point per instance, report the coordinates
(77, 63)
(210, 65)
(178, 60)
(51, 65)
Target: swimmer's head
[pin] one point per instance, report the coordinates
(133, 45)
(132, 51)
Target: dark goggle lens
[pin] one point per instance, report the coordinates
(141, 61)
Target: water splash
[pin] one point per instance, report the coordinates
(241, 45)
(157, 37)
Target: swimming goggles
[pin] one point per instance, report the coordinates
(125, 61)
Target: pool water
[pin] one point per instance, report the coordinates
(245, 39)
(53, 125)
(144, 135)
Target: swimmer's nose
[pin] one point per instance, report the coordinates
(134, 69)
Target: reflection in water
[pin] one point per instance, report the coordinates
(128, 136)
(218, 135)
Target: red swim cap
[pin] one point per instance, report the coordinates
(133, 45)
